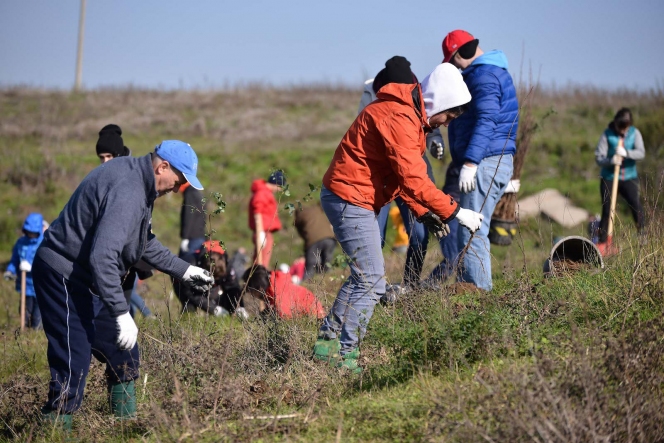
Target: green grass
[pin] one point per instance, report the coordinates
(536, 358)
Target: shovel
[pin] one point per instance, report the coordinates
(23, 301)
(609, 249)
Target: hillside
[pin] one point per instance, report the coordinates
(577, 358)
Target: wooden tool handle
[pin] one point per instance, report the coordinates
(23, 300)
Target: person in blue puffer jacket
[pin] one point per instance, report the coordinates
(482, 144)
(23, 255)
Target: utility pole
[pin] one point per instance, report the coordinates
(79, 54)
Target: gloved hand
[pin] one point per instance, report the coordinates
(436, 149)
(616, 160)
(467, 182)
(470, 219)
(220, 312)
(25, 266)
(198, 279)
(434, 224)
(513, 186)
(9, 276)
(621, 151)
(184, 245)
(127, 332)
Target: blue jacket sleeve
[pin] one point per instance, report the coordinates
(119, 216)
(160, 258)
(14, 262)
(486, 97)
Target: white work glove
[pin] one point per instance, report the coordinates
(220, 312)
(513, 186)
(437, 150)
(25, 266)
(616, 160)
(470, 219)
(127, 332)
(621, 151)
(260, 238)
(9, 276)
(184, 245)
(467, 178)
(198, 279)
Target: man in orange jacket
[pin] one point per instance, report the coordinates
(379, 159)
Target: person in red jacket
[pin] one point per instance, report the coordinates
(263, 215)
(378, 160)
(275, 290)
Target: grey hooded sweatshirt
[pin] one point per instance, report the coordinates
(105, 228)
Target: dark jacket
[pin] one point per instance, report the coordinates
(192, 218)
(312, 225)
(105, 228)
(489, 126)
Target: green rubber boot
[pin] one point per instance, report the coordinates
(55, 418)
(123, 399)
(327, 350)
(350, 361)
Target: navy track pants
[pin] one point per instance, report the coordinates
(77, 326)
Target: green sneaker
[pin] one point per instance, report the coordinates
(123, 399)
(56, 418)
(350, 362)
(327, 350)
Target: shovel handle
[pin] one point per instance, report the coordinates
(614, 197)
(23, 300)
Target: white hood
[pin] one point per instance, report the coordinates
(444, 89)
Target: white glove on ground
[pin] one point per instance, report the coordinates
(436, 149)
(184, 245)
(616, 160)
(470, 219)
(127, 332)
(621, 151)
(25, 266)
(198, 279)
(513, 186)
(467, 178)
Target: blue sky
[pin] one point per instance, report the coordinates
(208, 43)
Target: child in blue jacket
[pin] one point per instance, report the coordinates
(23, 254)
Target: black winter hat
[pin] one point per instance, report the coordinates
(277, 178)
(110, 142)
(396, 70)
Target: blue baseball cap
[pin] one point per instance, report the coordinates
(182, 157)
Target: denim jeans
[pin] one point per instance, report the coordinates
(418, 235)
(448, 244)
(493, 174)
(418, 241)
(358, 234)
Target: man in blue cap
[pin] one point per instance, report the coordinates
(103, 230)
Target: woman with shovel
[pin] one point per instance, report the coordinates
(619, 147)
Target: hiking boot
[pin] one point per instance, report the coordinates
(327, 349)
(56, 418)
(123, 399)
(350, 362)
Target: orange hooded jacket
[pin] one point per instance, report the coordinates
(380, 157)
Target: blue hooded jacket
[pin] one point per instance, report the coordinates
(25, 249)
(492, 118)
